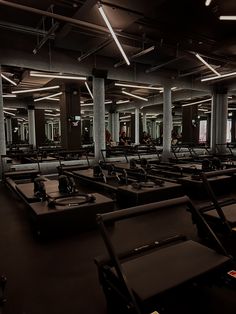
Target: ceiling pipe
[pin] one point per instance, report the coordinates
(23, 29)
(152, 69)
(66, 19)
(46, 37)
(94, 50)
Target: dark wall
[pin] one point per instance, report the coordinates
(190, 122)
(70, 107)
(40, 127)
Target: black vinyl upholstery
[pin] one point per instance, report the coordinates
(161, 270)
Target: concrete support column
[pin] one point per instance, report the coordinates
(59, 127)
(109, 127)
(136, 113)
(219, 116)
(31, 122)
(22, 132)
(99, 116)
(8, 131)
(144, 122)
(158, 133)
(52, 134)
(116, 126)
(167, 123)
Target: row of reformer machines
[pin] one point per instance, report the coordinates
(168, 229)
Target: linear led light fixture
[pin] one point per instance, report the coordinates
(231, 108)
(48, 110)
(10, 113)
(228, 17)
(35, 89)
(63, 76)
(54, 99)
(8, 96)
(5, 108)
(58, 110)
(89, 90)
(135, 96)
(138, 86)
(112, 33)
(136, 55)
(197, 102)
(7, 79)
(122, 102)
(204, 110)
(207, 3)
(47, 97)
(218, 77)
(207, 64)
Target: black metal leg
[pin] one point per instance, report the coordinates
(3, 282)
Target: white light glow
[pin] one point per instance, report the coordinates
(228, 17)
(218, 77)
(50, 97)
(207, 64)
(7, 79)
(63, 76)
(197, 102)
(89, 90)
(135, 96)
(138, 86)
(208, 2)
(113, 34)
(8, 96)
(5, 108)
(122, 102)
(35, 89)
(10, 113)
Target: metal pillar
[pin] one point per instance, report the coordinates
(136, 113)
(99, 116)
(144, 122)
(167, 123)
(31, 122)
(8, 131)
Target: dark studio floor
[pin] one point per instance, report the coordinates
(59, 276)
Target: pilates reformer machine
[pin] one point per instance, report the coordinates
(167, 272)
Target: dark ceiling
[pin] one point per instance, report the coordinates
(177, 29)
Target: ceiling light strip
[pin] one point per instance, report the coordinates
(8, 96)
(48, 97)
(218, 77)
(228, 17)
(89, 90)
(7, 79)
(10, 113)
(113, 34)
(138, 86)
(135, 96)
(35, 89)
(208, 2)
(207, 64)
(197, 102)
(62, 76)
